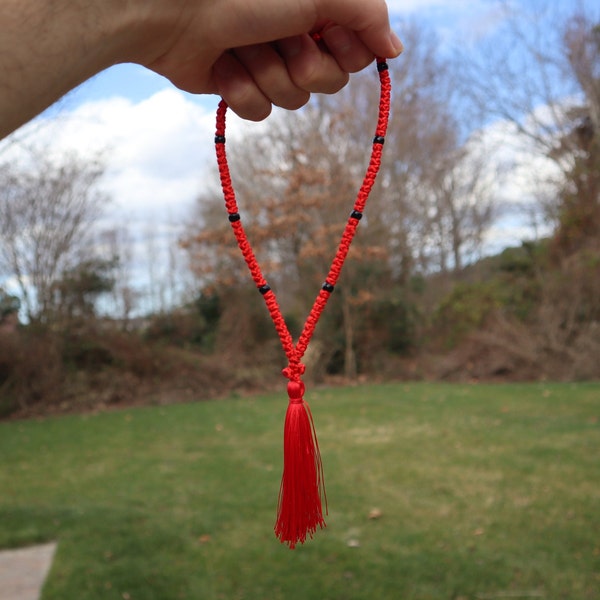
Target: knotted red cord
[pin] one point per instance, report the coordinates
(299, 510)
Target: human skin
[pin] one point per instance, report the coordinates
(253, 53)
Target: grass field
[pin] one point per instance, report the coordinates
(483, 492)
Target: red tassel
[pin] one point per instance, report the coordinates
(299, 511)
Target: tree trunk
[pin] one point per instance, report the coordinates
(350, 367)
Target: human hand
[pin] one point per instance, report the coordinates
(254, 53)
(259, 53)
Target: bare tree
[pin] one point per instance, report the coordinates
(117, 244)
(436, 200)
(540, 74)
(47, 210)
(459, 203)
(165, 281)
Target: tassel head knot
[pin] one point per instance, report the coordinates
(295, 391)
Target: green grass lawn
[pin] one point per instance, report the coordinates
(484, 492)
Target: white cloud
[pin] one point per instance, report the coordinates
(522, 173)
(521, 180)
(156, 151)
(455, 22)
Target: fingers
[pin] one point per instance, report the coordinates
(268, 69)
(239, 90)
(345, 46)
(252, 78)
(311, 68)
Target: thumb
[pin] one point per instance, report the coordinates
(369, 19)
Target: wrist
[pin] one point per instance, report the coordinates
(142, 31)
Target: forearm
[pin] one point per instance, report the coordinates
(48, 48)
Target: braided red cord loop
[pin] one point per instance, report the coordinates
(299, 510)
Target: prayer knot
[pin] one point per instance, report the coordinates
(293, 372)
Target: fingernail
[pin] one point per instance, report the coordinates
(396, 43)
(291, 47)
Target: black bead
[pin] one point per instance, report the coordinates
(328, 287)
(379, 139)
(263, 289)
(219, 139)
(382, 66)
(356, 215)
(233, 217)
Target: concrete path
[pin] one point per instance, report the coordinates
(23, 571)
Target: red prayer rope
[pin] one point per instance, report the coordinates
(295, 352)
